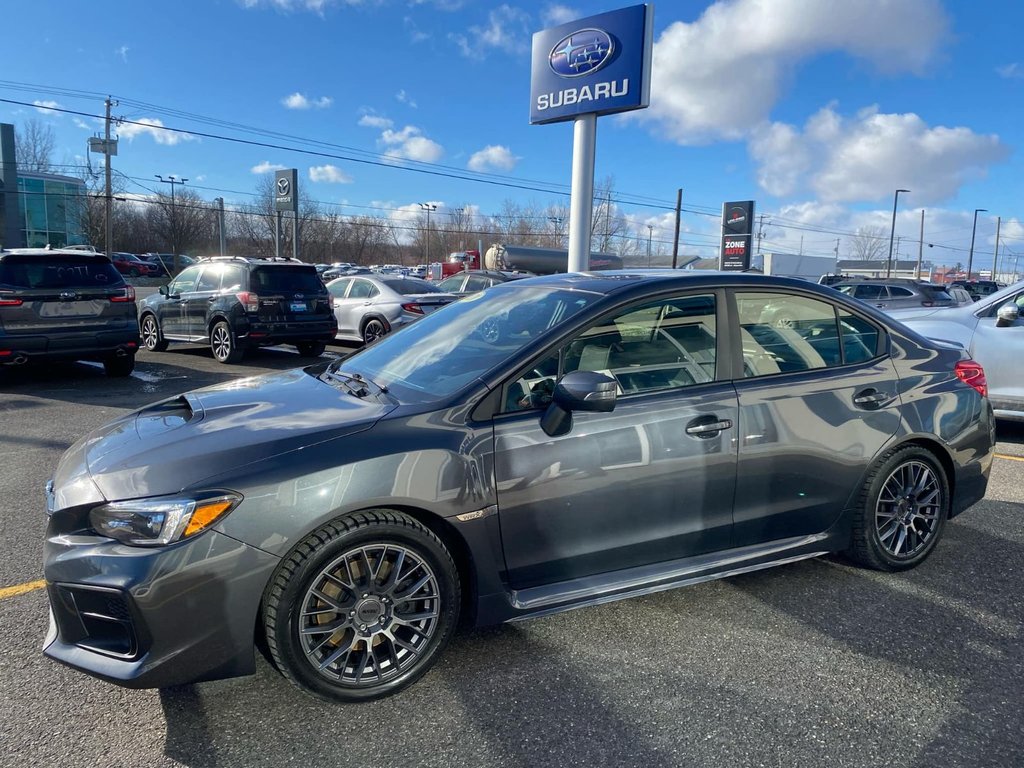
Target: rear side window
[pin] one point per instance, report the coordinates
(899, 292)
(58, 272)
(290, 279)
(869, 292)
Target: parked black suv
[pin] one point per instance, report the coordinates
(233, 303)
(978, 289)
(70, 305)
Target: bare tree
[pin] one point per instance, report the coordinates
(182, 223)
(869, 244)
(34, 146)
(609, 226)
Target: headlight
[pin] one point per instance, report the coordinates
(155, 522)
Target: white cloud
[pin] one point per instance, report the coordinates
(301, 101)
(154, 127)
(507, 29)
(331, 174)
(492, 156)
(720, 76)
(80, 123)
(554, 15)
(404, 98)
(410, 144)
(316, 6)
(266, 167)
(375, 121)
(869, 155)
(46, 106)
(123, 53)
(1011, 71)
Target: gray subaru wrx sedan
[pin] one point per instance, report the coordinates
(565, 441)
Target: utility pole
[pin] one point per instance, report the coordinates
(108, 207)
(974, 231)
(675, 244)
(835, 251)
(428, 207)
(172, 180)
(995, 256)
(650, 233)
(220, 222)
(920, 249)
(801, 245)
(760, 233)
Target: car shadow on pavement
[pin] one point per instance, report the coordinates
(1010, 432)
(932, 623)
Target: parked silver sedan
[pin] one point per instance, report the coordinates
(370, 306)
(992, 330)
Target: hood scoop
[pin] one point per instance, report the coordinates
(166, 415)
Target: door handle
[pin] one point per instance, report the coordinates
(700, 427)
(871, 398)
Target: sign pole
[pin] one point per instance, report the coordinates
(277, 235)
(581, 205)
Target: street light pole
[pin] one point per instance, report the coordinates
(974, 231)
(892, 231)
(428, 207)
(650, 233)
(172, 180)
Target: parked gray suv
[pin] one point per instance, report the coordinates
(897, 293)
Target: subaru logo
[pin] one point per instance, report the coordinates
(300, 295)
(283, 186)
(581, 53)
(67, 295)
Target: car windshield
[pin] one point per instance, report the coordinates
(282, 278)
(58, 272)
(410, 286)
(444, 352)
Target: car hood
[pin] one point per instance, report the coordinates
(177, 443)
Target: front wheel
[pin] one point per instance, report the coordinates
(373, 330)
(311, 348)
(362, 607)
(151, 337)
(901, 511)
(223, 344)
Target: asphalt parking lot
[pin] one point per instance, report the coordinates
(813, 664)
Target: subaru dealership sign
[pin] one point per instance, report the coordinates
(599, 65)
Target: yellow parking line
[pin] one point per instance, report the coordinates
(21, 589)
(1007, 456)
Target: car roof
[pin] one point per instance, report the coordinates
(50, 252)
(263, 261)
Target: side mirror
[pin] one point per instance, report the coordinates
(578, 391)
(1008, 314)
(163, 291)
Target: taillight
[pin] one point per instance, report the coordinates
(249, 300)
(414, 308)
(10, 302)
(972, 374)
(127, 294)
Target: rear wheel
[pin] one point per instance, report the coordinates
(119, 366)
(373, 330)
(133, 272)
(901, 512)
(223, 344)
(151, 337)
(362, 607)
(311, 348)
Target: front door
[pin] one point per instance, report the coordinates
(818, 398)
(171, 311)
(197, 303)
(1000, 350)
(651, 481)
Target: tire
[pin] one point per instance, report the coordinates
(901, 511)
(373, 329)
(223, 344)
(311, 348)
(119, 366)
(365, 576)
(152, 339)
(133, 272)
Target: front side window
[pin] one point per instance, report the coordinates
(185, 282)
(209, 280)
(655, 346)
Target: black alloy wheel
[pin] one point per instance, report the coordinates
(902, 511)
(150, 333)
(373, 330)
(223, 345)
(363, 607)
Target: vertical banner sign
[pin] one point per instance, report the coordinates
(737, 231)
(598, 65)
(286, 190)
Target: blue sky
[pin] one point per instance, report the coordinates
(817, 109)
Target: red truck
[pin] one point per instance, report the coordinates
(518, 258)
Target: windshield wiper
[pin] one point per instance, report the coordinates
(353, 382)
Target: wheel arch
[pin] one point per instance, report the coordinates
(374, 316)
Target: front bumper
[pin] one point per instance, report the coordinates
(154, 617)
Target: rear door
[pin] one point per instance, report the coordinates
(196, 304)
(53, 294)
(290, 293)
(872, 293)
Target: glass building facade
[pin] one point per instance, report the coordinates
(51, 209)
